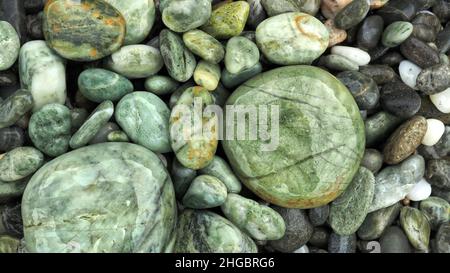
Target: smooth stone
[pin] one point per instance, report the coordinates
(363, 88)
(442, 244)
(420, 191)
(8, 244)
(12, 191)
(11, 219)
(339, 63)
(102, 134)
(220, 95)
(391, 58)
(241, 54)
(145, 119)
(372, 160)
(292, 38)
(49, 129)
(182, 178)
(96, 29)
(11, 137)
(319, 237)
(219, 168)
(303, 249)
(342, 244)
(329, 8)
(419, 52)
(438, 173)
(257, 13)
(139, 18)
(396, 33)
(435, 131)
(409, 72)
(8, 78)
(179, 61)
(424, 33)
(393, 183)
(429, 19)
(10, 45)
(352, 14)
(443, 40)
(194, 149)
(319, 215)
(13, 12)
(398, 10)
(376, 4)
(405, 140)
(400, 100)
(20, 163)
(336, 35)
(179, 91)
(117, 136)
(369, 34)
(434, 79)
(442, 10)
(349, 210)
(34, 26)
(98, 118)
(205, 192)
(161, 85)
(442, 148)
(14, 107)
(416, 226)
(441, 101)
(202, 231)
(437, 211)
(376, 222)
(204, 45)
(379, 126)
(380, 73)
(185, 15)
(207, 75)
(276, 174)
(136, 61)
(227, 19)
(126, 197)
(78, 116)
(259, 221)
(230, 80)
(37, 64)
(394, 240)
(282, 6)
(357, 55)
(298, 230)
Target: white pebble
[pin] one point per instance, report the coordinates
(421, 191)
(409, 72)
(442, 101)
(435, 130)
(357, 55)
(303, 249)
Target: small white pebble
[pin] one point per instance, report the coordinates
(357, 55)
(409, 72)
(303, 249)
(435, 130)
(442, 101)
(421, 191)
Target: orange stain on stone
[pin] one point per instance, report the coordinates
(93, 52)
(302, 19)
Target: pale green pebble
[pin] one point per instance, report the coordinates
(396, 33)
(9, 44)
(161, 85)
(204, 45)
(205, 192)
(20, 163)
(437, 211)
(99, 117)
(220, 169)
(9, 244)
(117, 136)
(444, 59)
(227, 19)
(136, 61)
(185, 15)
(339, 63)
(259, 221)
(416, 226)
(241, 54)
(207, 75)
(231, 80)
(15, 107)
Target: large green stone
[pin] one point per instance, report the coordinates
(83, 30)
(114, 197)
(320, 141)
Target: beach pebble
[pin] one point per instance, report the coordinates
(409, 72)
(420, 191)
(442, 101)
(435, 130)
(357, 55)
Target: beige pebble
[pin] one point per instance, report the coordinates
(337, 35)
(376, 4)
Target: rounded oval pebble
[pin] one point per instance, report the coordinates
(14, 107)
(435, 130)
(400, 100)
(398, 10)
(357, 55)
(394, 240)
(376, 222)
(434, 79)
(319, 215)
(10, 45)
(370, 32)
(19, 163)
(336, 35)
(207, 75)
(219, 168)
(339, 63)
(241, 54)
(160, 85)
(419, 52)
(205, 192)
(409, 72)
(379, 126)
(204, 45)
(416, 226)
(442, 101)
(182, 16)
(396, 33)
(352, 14)
(227, 19)
(380, 73)
(363, 88)
(437, 211)
(420, 191)
(230, 80)
(372, 160)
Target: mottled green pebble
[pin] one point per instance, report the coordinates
(207, 75)
(220, 169)
(204, 45)
(379, 126)
(117, 136)
(227, 19)
(376, 222)
(205, 192)
(185, 15)
(339, 63)
(161, 85)
(282, 6)
(416, 226)
(437, 211)
(241, 54)
(10, 45)
(19, 163)
(14, 107)
(94, 122)
(352, 14)
(50, 128)
(396, 33)
(230, 80)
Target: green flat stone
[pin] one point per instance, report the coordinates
(376, 222)
(259, 221)
(14, 107)
(98, 85)
(349, 210)
(185, 15)
(241, 54)
(83, 30)
(139, 17)
(205, 192)
(201, 231)
(49, 129)
(304, 170)
(292, 38)
(20, 163)
(99, 117)
(145, 119)
(10, 45)
(339, 63)
(228, 19)
(416, 226)
(9, 244)
(109, 197)
(160, 85)
(136, 61)
(220, 169)
(207, 75)
(204, 45)
(396, 33)
(231, 80)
